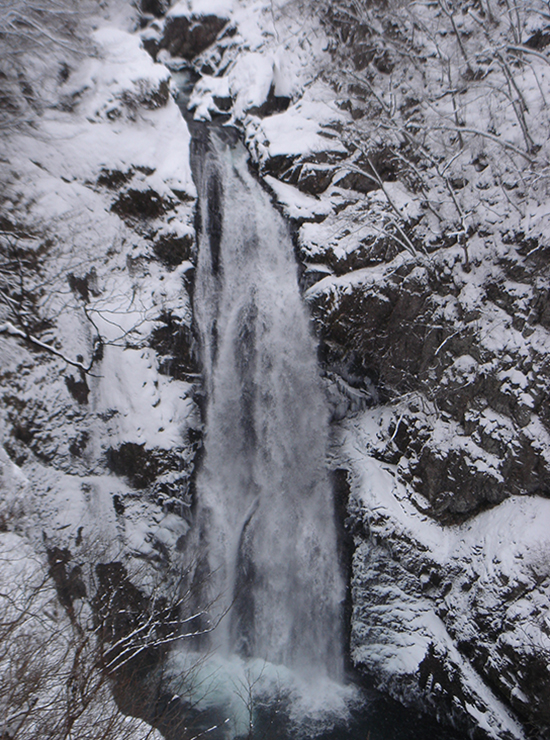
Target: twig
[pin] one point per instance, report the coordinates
(8, 328)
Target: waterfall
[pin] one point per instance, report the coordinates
(265, 529)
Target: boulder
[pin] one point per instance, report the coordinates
(186, 33)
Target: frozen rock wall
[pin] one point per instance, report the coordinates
(97, 363)
(427, 279)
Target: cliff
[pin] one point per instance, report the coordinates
(408, 148)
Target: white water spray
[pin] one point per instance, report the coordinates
(265, 520)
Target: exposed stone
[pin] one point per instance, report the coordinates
(154, 7)
(142, 465)
(68, 581)
(425, 621)
(84, 286)
(187, 36)
(144, 93)
(172, 249)
(407, 331)
(114, 179)
(176, 346)
(141, 204)
(78, 388)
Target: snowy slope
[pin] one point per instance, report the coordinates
(426, 272)
(98, 417)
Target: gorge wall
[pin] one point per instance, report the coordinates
(423, 249)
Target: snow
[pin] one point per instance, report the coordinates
(250, 81)
(367, 276)
(117, 126)
(127, 61)
(202, 98)
(115, 119)
(73, 152)
(508, 544)
(145, 528)
(272, 49)
(55, 188)
(187, 8)
(147, 408)
(295, 203)
(300, 130)
(157, 139)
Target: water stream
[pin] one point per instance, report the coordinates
(265, 518)
(264, 556)
(265, 576)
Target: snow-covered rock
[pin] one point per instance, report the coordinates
(191, 26)
(453, 615)
(98, 413)
(428, 282)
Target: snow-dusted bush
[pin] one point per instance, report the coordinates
(450, 98)
(52, 682)
(39, 43)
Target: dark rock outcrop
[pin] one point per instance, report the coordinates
(188, 35)
(141, 204)
(416, 332)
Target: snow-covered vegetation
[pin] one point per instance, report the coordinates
(407, 142)
(413, 158)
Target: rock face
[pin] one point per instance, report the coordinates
(425, 265)
(187, 34)
(416, 330)
(450, 617)
(98, 369)
(459, 357)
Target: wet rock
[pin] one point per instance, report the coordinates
(141, 204)
(188, 35)
(142, 465)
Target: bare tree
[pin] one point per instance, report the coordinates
(440, 94)
(39, 41)
(52, 683)
(62, 651)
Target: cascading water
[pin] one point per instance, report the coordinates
(265, 512)
(264, 578)
(265, 570)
